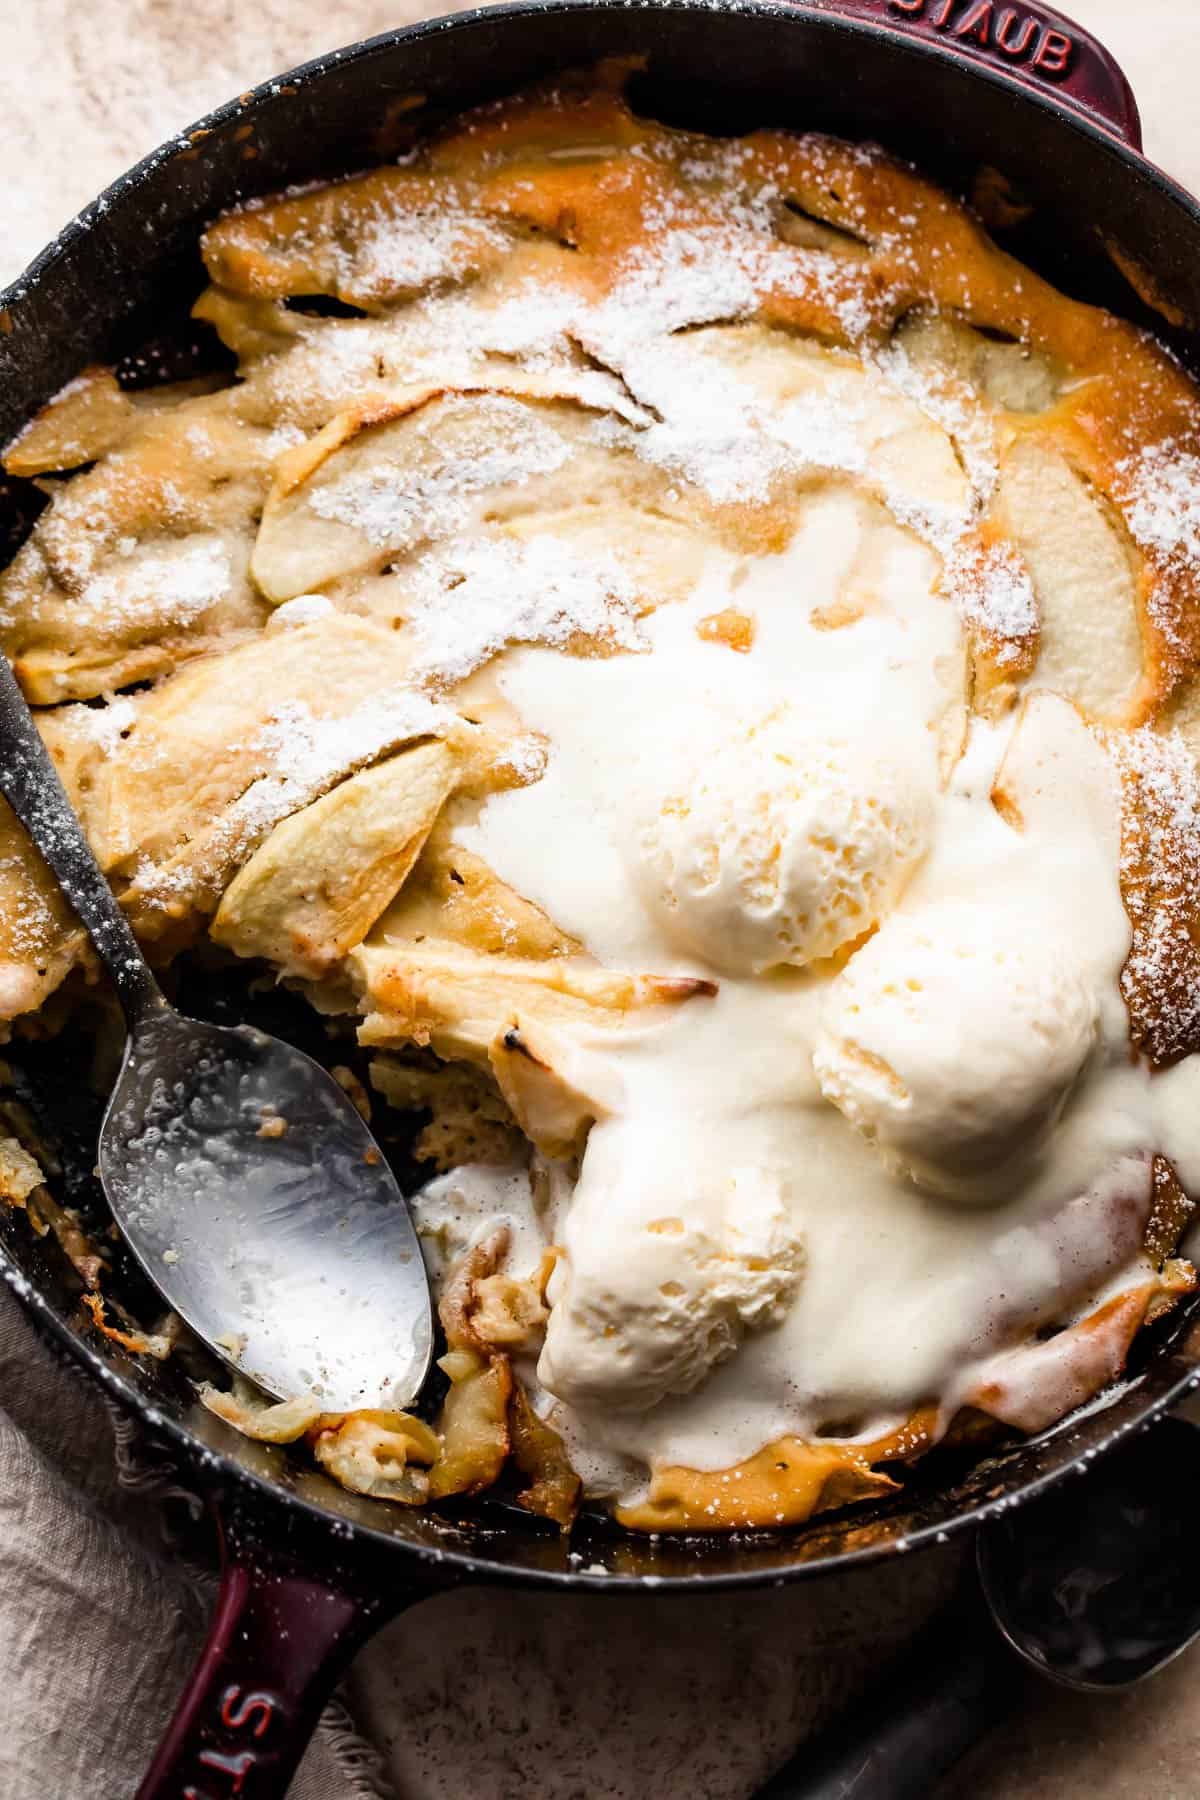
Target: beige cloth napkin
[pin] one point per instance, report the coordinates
(489, 1695)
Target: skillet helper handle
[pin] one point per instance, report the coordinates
(1034, 46)
(279, 1641)
(30, 783)
(898, 1744)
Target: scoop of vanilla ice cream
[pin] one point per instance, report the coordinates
(777, 846)
(662, 1276)
(953, 1043)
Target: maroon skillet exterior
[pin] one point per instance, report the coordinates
(309, 1574)
(1036, 46)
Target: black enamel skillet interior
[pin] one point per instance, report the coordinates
(961, 86)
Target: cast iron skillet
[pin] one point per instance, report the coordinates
(958, 85)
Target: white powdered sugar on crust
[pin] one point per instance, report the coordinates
(469, 602)
(100, 727)
(994, 594)
(709, 427)
(303, 609)
(1160, 880)
(394, 505)
(302, 756)
(955, 408)
(1159, 492)
(423, 245)
(166, 584)
(1160, 487)
(304, 752)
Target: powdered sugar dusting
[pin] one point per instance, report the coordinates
(394, 505)
(302, 756)
(302, 610)
(994, 594)
(1160, 880)
(469, 602)
(951, 406)
(421, 246)
(101, 727)
(1159, 489)
(171, 584)
(30, 925)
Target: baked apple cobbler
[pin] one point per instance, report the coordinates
(684, 653)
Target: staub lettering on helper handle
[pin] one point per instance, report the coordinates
(1009, 29)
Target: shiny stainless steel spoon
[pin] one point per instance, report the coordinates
(242, 1177)
(1095, 1585)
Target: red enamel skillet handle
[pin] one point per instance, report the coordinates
(279, 1640)
(1034, 45)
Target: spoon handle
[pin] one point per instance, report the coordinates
(30, 783)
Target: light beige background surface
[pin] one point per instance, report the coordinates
(477, 1695)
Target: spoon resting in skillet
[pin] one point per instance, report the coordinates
(241, 1176)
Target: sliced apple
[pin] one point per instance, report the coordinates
(1085, 575)
(374, 1452)
(228, 720)
(455, 897)
(322, 878)
(458, 1001)
(369, 241)
(84, 421)
(554, 1088)
(553, 1488)
(798, 390)
(423, 465)
(1011, 376)
(142, 560)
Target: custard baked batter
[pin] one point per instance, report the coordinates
(691, 661)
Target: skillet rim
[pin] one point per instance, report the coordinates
(260, 1493)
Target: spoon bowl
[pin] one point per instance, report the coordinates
(253, 1194)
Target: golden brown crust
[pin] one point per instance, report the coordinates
(903, 246)
(783, 1484)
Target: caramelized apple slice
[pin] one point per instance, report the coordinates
(1009, 375)
(230, 720)
(1085, 577)
(316, 886)
(554, 1489)
(142, 560)
(455, 897)
(426, 465)
(370, 241)
(374, 1452)
(458, 1001)
(84, 421)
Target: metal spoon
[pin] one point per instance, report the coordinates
(242, 1177)
(1095, 1585)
